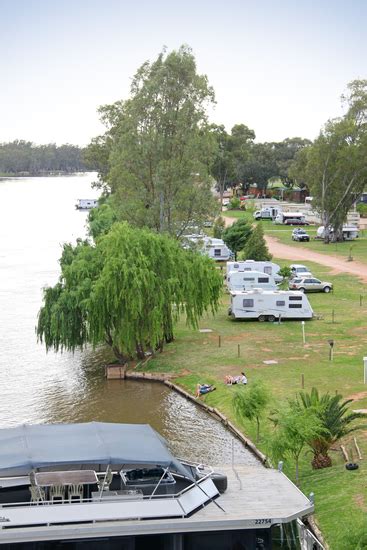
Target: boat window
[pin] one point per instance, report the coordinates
(248, 303)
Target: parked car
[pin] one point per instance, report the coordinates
(299, 270)
(295, 221)
(300, 235)
(308, 284)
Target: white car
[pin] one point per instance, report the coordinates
(299, 270)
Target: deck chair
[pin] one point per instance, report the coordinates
(105, 482)
(37, 494)
(75, 493)
(57, 493)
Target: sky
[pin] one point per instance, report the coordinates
(279, 67)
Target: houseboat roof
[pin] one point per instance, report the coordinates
(27, 447)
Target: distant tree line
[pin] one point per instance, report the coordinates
(24, 157)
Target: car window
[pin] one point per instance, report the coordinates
(316, 281)
(308, 281)
(296, 281)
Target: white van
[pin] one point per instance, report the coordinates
(269, 268)
(246, 280)
(269, 305)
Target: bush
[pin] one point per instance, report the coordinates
(362, 209)
(256, 247)
(218, 228)
(234, 203)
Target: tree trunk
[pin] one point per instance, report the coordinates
(139, 351)
(321, 461)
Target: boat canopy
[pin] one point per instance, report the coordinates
(28, 447)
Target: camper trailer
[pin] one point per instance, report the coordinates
(214, 248)
(282, 217)
(247, 280)
(350, 232)
(269, 305)
(251, 265)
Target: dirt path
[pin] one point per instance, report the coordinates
(338, 265)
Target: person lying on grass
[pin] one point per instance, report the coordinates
(202, 389)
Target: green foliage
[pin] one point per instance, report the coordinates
(126, 291)
(294, 428)
(362, 209)
(218, 228)
(285, 272)
(156, 153)
(334, 417)
(250, 403)
(25, 157)
(237, 235)
(256, 247)
(234, 203)
(101, 219)
(335, 166)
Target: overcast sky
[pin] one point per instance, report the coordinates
(277, 66)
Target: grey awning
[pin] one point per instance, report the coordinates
(48, 445)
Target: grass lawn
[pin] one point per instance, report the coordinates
(357, 248)
(340, 495)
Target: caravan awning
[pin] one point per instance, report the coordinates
(29, 447)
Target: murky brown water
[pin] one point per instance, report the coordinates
(37, 216)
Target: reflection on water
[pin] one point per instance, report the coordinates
(38, 215)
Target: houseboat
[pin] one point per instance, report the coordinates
(86, 204)
(105, 485)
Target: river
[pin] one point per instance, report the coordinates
(38, 215)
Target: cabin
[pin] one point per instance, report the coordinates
(269, 305)
(247, 280)
(270, 268)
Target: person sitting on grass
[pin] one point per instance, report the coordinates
(230, 380)
(202, 389)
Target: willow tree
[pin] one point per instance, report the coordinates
(127, 291)
(158, 147)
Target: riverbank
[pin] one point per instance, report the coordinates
(263, 351)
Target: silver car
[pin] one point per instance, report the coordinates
(308, 284)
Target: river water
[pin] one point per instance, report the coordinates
(38, 215)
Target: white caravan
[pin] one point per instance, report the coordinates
(251, 265)
(214, 248)
(282, 217)
(86, 204)
(269, 305)
(247, 280)
(350, 232)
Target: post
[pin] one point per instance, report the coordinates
(219, 341)
(303, 333)
(331, 349)
(360, 300)
(303, 381)
(238, 350)
(279, 318)
(365, 370)
(333, 316)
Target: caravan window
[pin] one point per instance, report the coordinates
(248, 303)
(295, 298)
(280, 303)
(236, 266)
(263, 280)
(294, 306)
(216, 251)
(267, 269)
(249, 279)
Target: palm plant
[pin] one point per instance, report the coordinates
(338, 422)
